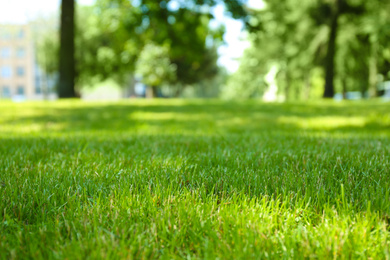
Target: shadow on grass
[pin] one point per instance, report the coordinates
(209, 117)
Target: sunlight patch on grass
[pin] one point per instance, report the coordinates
(156, 116)
(324, 122)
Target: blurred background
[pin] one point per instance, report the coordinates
(275, 50)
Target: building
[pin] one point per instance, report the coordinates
(20, 76)
(384, 90)
(16, 62)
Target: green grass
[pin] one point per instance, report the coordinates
(175, 179)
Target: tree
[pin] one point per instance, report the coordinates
(347, 39)
(282, 36)
(110, 34)
(185, 30)
(155, 68)
(66, 54)
(362, 37)
(329, 13)
(248, 81)
(375, 25)
(46, 52)
(104, 46)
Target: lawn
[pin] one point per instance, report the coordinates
(176, 179)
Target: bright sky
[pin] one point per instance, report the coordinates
(20, 11)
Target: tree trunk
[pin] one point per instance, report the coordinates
(373, 71)
(155, 91)
(128, 90)
(151, 92)
(178, 91)
(45, 86)
(288, 85)
(66, 59)
(307, 85)
(331, 53)
(44, 78)
(344, 83)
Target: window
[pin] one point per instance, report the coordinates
(38, 90)
(20, 52)
(20, 34)
(6, 92)
(20, 90)
(6, 72)
(20, 71)
(38, 87)
(5, 52)
(5, 35)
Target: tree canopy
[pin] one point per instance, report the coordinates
(154, 67)
(338, 45)
(110, 35)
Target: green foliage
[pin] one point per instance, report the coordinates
(173, 179)
(294, 38)
(185, 31)
(248, 81)
(47, 52)
(111, 34)
(154, 66)
(106, 48)
(282, 36)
